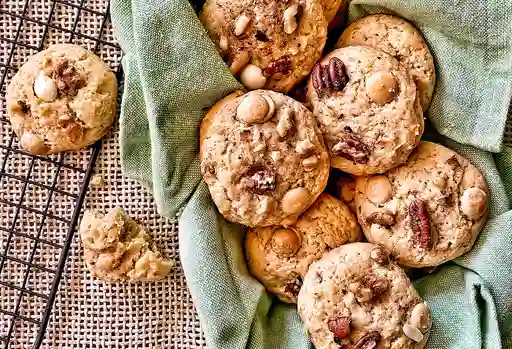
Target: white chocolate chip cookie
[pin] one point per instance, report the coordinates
(426, 212)
(262, 157)
(331, 8)
(116, 248)
(63, 98)
(400, 39)
(279, 257)
(367, 108)
(272, 44)
(356, 298)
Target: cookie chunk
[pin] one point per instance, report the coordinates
(63, 98)
(279, 257)
(399, 38)
(366, 106)
(271, 44)
(426, 212)
(262, 157)
(356, 298)
(116, 248)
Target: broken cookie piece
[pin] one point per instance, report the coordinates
(119, 249)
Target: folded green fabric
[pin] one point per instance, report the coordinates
(173, 74)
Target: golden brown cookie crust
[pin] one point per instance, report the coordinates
(279, 257)
(76, 102)
(282, 40)
(426, 212)
(400, 39)
(373, 120)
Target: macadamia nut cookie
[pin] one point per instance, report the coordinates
(273, 44)
(400, 39)
(366, 106)
(279, 257)
(262, 157)
(116, 248)
(356, 298)
(63, 98)
(426, 212)
(345, 189)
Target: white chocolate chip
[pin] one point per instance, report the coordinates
(420, 317)
(241, 24)
(252, 77)
(474, 202)
(284, 124)
(289, 20)
(310, 163)
(223, 43)
(304, 146)
(295, 200)
(413, 333)
(254, 109)
(45, 88)
(378, 189)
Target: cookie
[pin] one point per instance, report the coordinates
(271, 44)
(400, 39)
(62, 98)
(279, 257)
(366, 106)
(116, 248)
(262, 157)
(356, 298)
(345, 188)
(331, 8)
(426, 212)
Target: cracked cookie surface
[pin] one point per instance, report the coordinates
(116, 248)
(426, 212)
(367, 108)
(354, 297)
(262, 157)
(279, 257)
(400, 39)
(272, 44)
(62, 98)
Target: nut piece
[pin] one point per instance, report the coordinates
(419, 223)
(45, 88)
(368, 341)
(332, 76)
(304, 146)
(293, 288)
(474, 202)
(241, 24)
(252, 77)
(262, 181)
(255, 109)
(352, 147)
(385, 218)
(376, 284)
(285, 121)
(223, 43)
(420, 317)
(290, 19)
(340, 327)
(378, 189)
(32, 143)
(379, 255)
(239, 62)
(310, 163)
(295, 200)
(381, 87)
(412, 333)
(285, 242)
(281, 66)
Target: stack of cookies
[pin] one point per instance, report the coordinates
(267, 160)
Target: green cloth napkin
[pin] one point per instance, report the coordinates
(173, 74)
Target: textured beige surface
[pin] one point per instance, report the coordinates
(87, 313)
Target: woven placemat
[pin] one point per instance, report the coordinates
(87, 313)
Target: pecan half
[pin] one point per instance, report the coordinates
(293, 287)
(368, 341)
(420, 224)
(376, 284)
(68, 80)
(384, 218)
(340, 327)
(262, 181)
(352, 147)
(283, 65)
(331, 77)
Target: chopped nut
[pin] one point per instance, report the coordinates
(290, 18)
(97, 181)
(295, 200)
(252, 77)
(368, 341)
(310, 163)
(420, 317)
(376, 284)
(379, 255)
(281, 66)
(304, 146)
(285, 242)
(241, 24)
(238, 62)
(419, 223)
(293, 288)
(385, 218)
(339, 326)
(275, 155)
(352, 147)
(223, 43)
(66, 77)
(331, 77)
(413, 333)
(381, 87)
(474, 202)
(262, 181)
(285, 121)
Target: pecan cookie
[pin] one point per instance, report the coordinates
(366, 106)
(400, 39)
(272, 44)
(426, 212)
(63, 98)
(279, 257)
(356, 298)
(262, 157)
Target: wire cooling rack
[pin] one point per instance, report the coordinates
(40, 197)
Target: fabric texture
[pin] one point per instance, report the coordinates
(173, 73)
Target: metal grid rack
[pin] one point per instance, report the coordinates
(31, 238)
